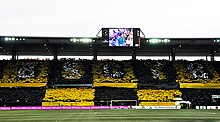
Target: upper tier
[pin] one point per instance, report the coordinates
(124, 74)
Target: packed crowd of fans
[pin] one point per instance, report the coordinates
(25, 71)
(10, 72)
(115, 94)
(158, 81)
(87, 71)
(196, 72)
(70, 71)
(154, 71)
(152, 95)
(155, 74)
(3, 63)
(69, 96)
(21, 96)
(113, 72)
(200, 97)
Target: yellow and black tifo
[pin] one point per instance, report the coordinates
(69, 82)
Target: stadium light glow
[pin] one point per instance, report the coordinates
(73, 40)
(81, 40)
(217, 40)
(87, 40)
(6, 38)
(156, 41)
(13, 39)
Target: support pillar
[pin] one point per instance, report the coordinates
(212, 56)
(133, 53)
(14, 54)
(173, 54)
(94, 50)
(95, 54)
(55, 54)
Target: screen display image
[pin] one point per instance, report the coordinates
(121, 37)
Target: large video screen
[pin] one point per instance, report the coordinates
(121, 37)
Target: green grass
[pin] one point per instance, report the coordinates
(129, 115)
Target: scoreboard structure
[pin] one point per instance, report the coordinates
(121, 37)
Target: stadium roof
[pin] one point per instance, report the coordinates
(84, 46)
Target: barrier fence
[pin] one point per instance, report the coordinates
(62, 107)
(85, 107)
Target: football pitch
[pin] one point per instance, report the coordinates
(125, 115)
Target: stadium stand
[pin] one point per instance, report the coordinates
(108, 96)
(155, 74)
(80, 96)
(29, 72)
(10, 72)
(157, 82)
(3, 63)
(157, 97)
(105, 93)
(196, 72)
(70, 71)
(71, 82)
(114, 74)
(21, 96)
(200, 97)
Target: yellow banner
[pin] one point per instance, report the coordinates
(22, 84)
(200, 85)
(118, 85)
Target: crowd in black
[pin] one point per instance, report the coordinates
(200, 97)
(21, 96)
(105, 93)
(155, 74)
(115, 96)
(2, 66)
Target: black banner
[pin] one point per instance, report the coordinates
(160, 85)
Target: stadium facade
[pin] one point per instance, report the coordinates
(71, 82)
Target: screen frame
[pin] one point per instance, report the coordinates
(136, 37)
(109, 31)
